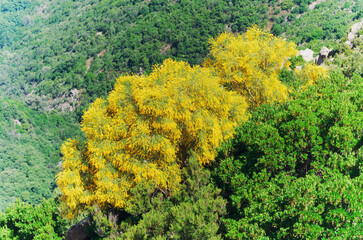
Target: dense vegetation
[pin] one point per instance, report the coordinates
(51, 47)
(29, 151)
(323, 25)
(61, 45)
(62, 55)
(284, 174)
(350, 59)
(292, 170)
(23, 221)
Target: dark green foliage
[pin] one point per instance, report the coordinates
(323, 25)
(29, 151)
(276, 29)
(296, 61)
(193, 213)
(287, 4)
(23, 221)
(289, 77)
(45, 45)
(291, 171)
(313, 207)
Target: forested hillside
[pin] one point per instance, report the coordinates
(318, 24)
(49, 48)
(29, 151)
(61, 45)
(165, 119)
(59, 56)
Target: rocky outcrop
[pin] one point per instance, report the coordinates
(65, 102)
(79, 231)
(307, 54)
(353, 32)
(323, 55)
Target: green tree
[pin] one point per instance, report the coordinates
(23, 221)
(194, 212)
(277, 29)
(294, 169)
(29, 151)
(287, 4)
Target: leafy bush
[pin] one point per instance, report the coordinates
(294, 169)
(22, 221)
(193, 213)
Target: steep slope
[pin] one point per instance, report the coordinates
(62, 45)
(52, 47)
(323, 23)
(60, 55)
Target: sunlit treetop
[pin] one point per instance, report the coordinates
(249, 64)
(309, 74)
(146, 131)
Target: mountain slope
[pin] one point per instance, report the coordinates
(58, 56)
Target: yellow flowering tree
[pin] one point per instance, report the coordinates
(250, 64)
(145, 132)
(309, 73)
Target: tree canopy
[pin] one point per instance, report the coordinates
(145, 132)
(250, 63)
(294, 169)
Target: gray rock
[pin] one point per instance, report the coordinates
(323, 55)
(349, 44)
(324, 52)
(353, 32)
(307, 54)
(78, 231)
